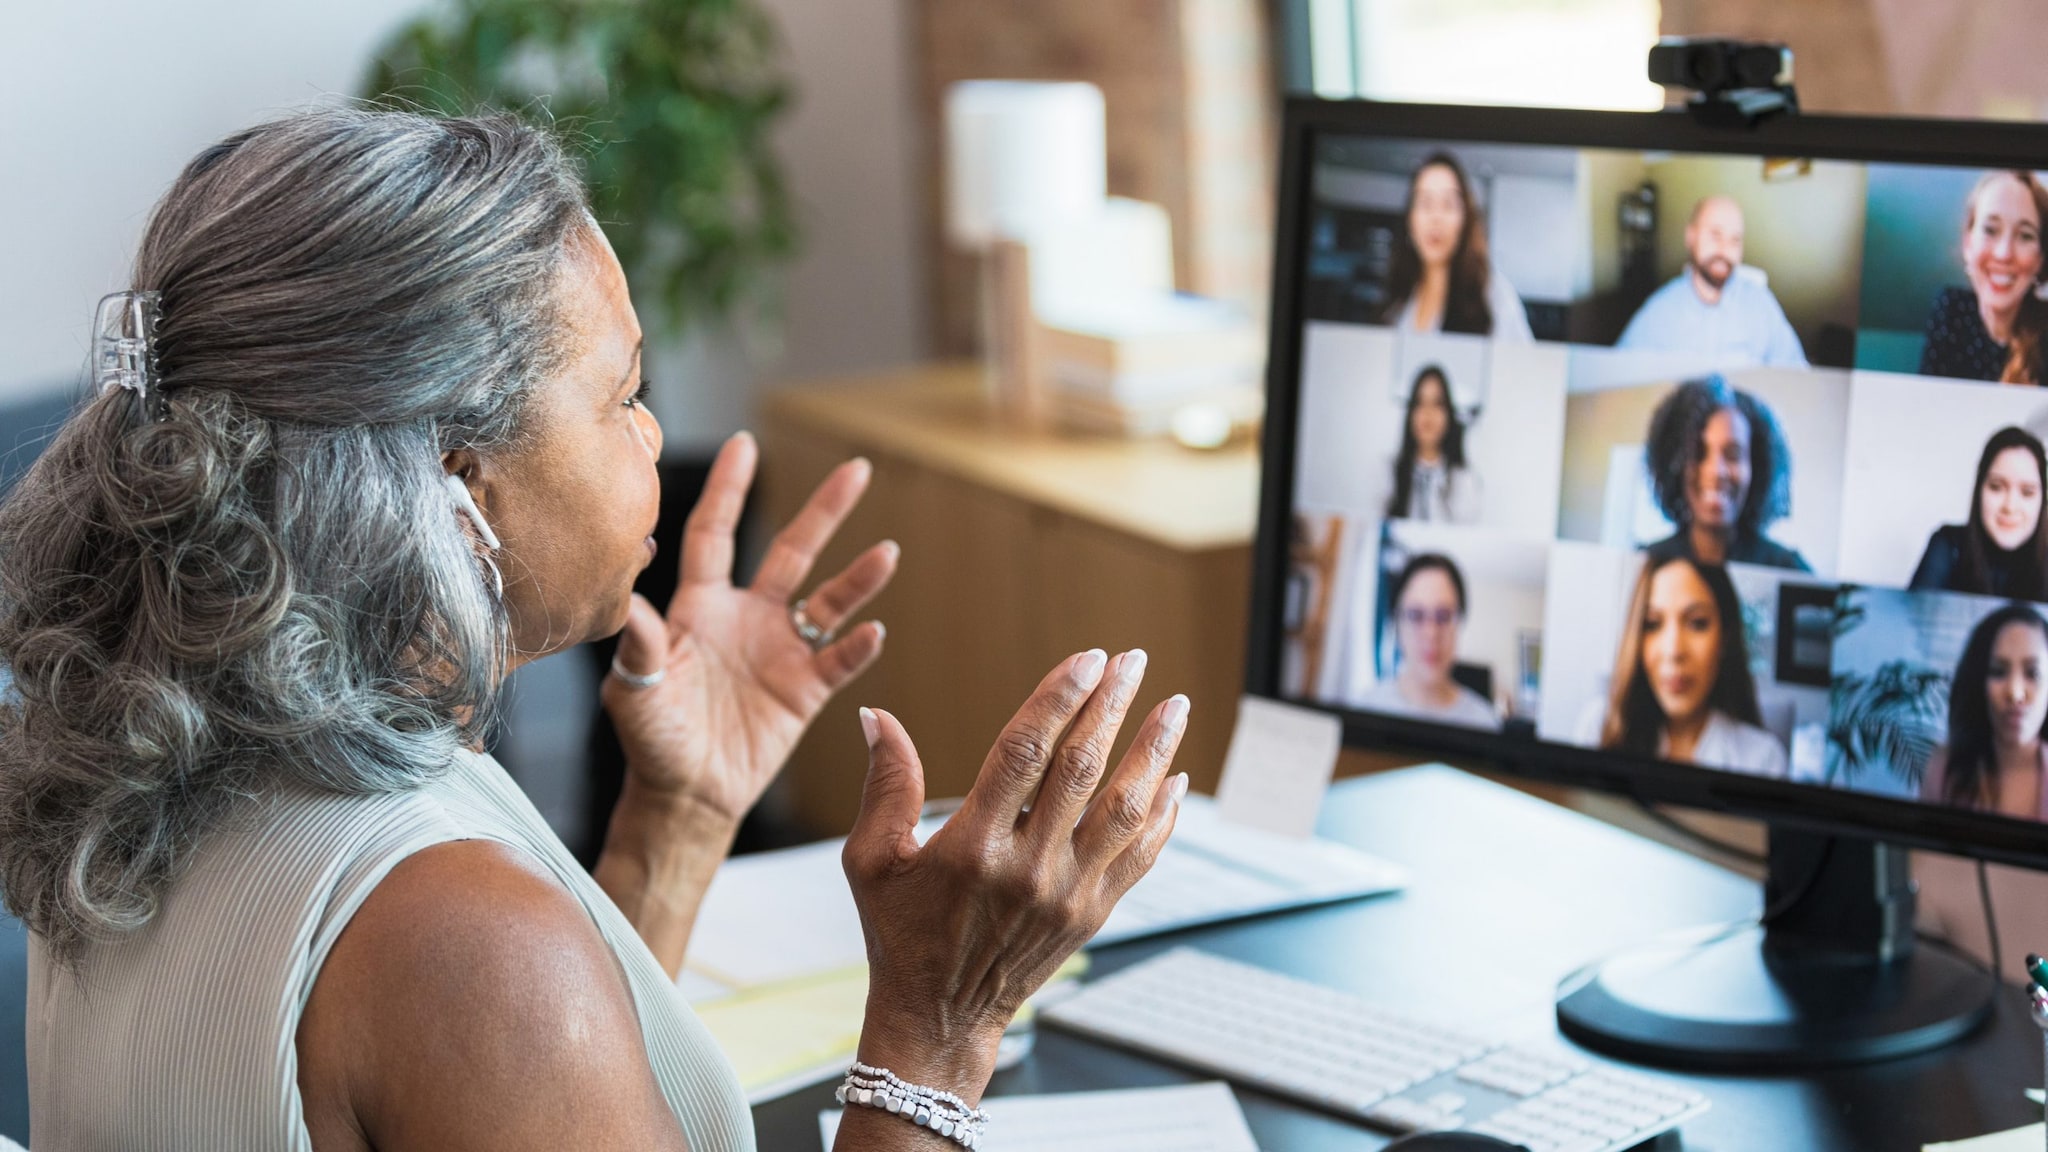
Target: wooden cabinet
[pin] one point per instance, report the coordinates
(1018, 549)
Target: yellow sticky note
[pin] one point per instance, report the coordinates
(783, 1036)
(2027, 1139)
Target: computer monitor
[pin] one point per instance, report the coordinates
(1700, 444)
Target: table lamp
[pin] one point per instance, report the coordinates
(1023, 159)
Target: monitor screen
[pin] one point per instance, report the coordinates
(1608, 444)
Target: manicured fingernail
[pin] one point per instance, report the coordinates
(1132, 666)
(1088, 669)
(881, 631)
(868, 726)
(865, 465)
(1180, 786)
(1176, 713)
(892, 549)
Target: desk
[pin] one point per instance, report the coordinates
(1509, 894)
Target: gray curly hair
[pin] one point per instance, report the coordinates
(263, 580)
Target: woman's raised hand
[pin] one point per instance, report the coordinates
(739, 684)
(962, 930)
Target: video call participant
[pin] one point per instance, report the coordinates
(1429, 610)
(1682, 689)
(1996, 708)
(2000, 550)
(1431, 479)
(1992, 329)
(1720, 470)
(1712, 308)
(1442, 279)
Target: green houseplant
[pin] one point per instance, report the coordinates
(670, 102)
(1886, 721)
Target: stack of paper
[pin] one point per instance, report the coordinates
(1126, 368)
(1182, 1118)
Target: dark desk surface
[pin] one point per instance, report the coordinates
(1507, 895)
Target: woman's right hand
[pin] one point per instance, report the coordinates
(962, 930)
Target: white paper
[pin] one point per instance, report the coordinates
(2026, 1139)
(774, 916)
(1214, 870)
(1181, 1118)
(1279, 766)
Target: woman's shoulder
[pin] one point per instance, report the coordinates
(472, 947)
(1510, 315)
(1938, 560)
(1474, 710)
(1955, 300)
(1750, 748)
(1934, 777)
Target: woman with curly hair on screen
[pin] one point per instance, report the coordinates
(1721, 470)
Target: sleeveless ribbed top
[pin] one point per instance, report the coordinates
(182, 1035)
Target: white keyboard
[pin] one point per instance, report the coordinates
(1337, 1052)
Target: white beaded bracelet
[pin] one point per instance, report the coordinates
(930, 1108)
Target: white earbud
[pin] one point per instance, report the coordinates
(466, 504)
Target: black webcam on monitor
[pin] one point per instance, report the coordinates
(1736, 83)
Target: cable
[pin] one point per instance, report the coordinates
(1735, 851)
(1790, 900)
(1990, 916)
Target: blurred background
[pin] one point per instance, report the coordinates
(776, 169)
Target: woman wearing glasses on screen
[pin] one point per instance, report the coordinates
(1996, 709)
(1721, 470)
(1682, 689)
(1429, 611)
(1431, 479)
(1993, 329)
(1442, 279)
(2001, 549)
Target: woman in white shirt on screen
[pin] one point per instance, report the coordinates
(1682, 688)
(1429, 611)
(1442, 279)
(1431, 479)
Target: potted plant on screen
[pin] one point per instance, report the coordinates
(671, 105)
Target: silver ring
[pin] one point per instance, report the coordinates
(635, 680)
(806, 628)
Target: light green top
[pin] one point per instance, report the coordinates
(182, 1035)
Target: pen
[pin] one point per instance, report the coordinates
(2038, 969)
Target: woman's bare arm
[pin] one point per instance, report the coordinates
(658, 860)
(472, 1004)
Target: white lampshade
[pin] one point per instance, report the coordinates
(1021, 157)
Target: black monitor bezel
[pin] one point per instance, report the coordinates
(1972, 144)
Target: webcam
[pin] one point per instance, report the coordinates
(1735, 83)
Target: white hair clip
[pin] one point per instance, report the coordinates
(123, 353)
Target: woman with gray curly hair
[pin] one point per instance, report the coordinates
(371, 437)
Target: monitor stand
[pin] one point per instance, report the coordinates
(1834, 978)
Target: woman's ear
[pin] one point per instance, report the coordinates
(460, 471)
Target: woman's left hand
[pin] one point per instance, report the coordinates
(740, 685)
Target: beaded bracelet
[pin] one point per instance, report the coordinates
(930, 1108)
